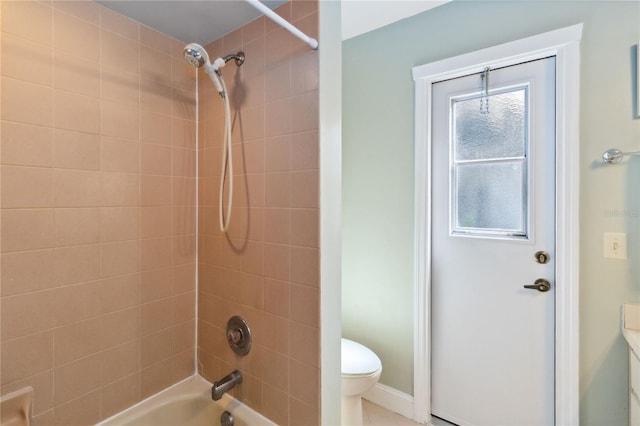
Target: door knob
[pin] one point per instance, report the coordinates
(540, 284)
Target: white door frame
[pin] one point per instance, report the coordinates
(564, 44)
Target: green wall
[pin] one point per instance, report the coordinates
(378, 123)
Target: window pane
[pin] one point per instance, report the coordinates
(490, 197)
(496, 133)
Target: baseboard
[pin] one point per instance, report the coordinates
(391, 399)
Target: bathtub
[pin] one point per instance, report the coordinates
(187, 403)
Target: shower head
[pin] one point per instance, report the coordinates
(197, 56)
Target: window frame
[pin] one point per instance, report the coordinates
(524, 233)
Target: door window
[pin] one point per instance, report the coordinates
(489, 163)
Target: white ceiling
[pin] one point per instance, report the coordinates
(361, 16)
(199, 21)
(203, 21)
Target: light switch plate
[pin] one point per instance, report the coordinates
(615, 245)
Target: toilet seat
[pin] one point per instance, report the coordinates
(358, 360)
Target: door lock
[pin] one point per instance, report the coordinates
(542, 257)
(540, 284)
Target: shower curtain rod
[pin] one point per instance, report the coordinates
(313, 43)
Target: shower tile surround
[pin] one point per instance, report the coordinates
(98, 213)
(266, 268)
(98, 242)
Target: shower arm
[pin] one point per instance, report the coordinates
(312, 42)
(238, 57)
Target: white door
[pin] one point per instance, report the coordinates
(492, 347)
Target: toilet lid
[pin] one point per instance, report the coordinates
(358, 359)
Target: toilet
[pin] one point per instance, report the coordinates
(361, 369)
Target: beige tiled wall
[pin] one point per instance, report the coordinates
(266, 268)
(98, 209)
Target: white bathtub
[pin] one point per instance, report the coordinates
(187, 403)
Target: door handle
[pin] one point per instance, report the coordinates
(540, 284)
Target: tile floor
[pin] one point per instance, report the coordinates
(374, 415)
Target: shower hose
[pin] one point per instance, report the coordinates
(227, 162)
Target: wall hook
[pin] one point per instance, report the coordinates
(614, 155)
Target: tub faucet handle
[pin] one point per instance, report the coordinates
(234, 336)
(238, 335)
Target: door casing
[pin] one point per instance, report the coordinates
(564, 44)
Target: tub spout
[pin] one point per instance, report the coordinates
(225, 384)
